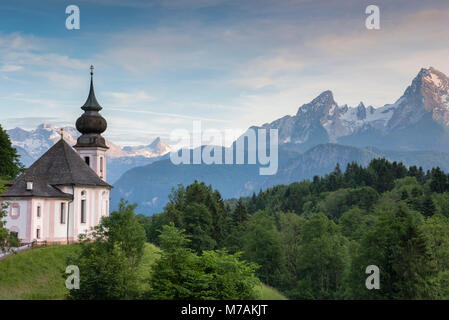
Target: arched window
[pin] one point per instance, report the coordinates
(87, 159)
(83, 211)
(83, 206)
(62, 213)
(101, 166)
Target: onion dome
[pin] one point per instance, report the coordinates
(91, 124)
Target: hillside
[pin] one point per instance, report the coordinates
(38, 274)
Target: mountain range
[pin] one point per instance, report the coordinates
(418, 120)
(414, 130)
(33, 143)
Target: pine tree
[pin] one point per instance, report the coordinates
(240, 213)
(428, 207)
(10, 165)
(439, 182)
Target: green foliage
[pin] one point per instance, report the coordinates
(109, 257)
(322, 259)
(262, 245)
(36, 273)
(310, 239)
(198, 224)
(10, 165)
(8, 239)
(199, 210)
(182, 274)
(396, 244)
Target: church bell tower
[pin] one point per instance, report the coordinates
(91, 146)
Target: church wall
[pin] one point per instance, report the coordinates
(49, 222)
(95, 155)
(97, 200)
(18, 217)
(23, 215)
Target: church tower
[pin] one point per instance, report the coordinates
(91, 146)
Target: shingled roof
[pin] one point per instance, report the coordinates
(59, 166)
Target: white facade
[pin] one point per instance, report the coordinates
(95, 158)
(58, 220)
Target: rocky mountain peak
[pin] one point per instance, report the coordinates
(159, 147)
(361, 111)
(322, 105)
(428, 93)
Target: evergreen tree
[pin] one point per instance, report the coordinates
(439, 181)
(398, 247)
(10, 165)
(428, 207)
(240, 214)
(322, 260)
(262, 245)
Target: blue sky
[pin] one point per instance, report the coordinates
(161, 64)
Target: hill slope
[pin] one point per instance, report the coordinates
(38, 273)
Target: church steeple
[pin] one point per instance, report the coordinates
(91, 103)
(91, 124)
(91, 146)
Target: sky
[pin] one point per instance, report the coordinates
(162, 64)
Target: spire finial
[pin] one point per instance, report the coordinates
(91, 70)
(62, 133)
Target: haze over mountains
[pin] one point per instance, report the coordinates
(414, 130)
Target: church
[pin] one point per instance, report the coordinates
(64, 193)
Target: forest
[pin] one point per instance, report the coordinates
(314, 239)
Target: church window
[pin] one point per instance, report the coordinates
(38, 233)
(62, 212)
(15, 210)
(38, 211)
(101, 166)
(87, 159)
(83, 211)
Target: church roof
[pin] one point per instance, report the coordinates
(59, 166)
(91, 103)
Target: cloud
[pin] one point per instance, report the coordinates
(182, 116)
(129, 98)
(10, 68)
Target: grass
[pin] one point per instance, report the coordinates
(39, 274)
(35, 274)
(269, 293)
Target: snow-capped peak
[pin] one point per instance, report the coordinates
(36, 142)
(428, 92)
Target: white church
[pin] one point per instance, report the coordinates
(64, 193)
